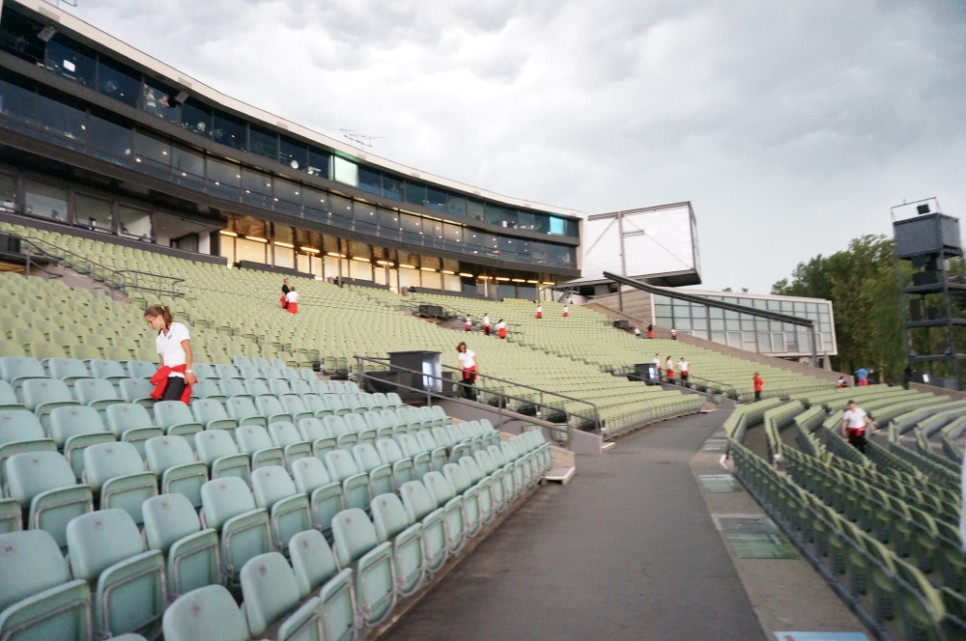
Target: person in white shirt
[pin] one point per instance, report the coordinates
(637, 332)
(566, 311)
(501, 328)
(854, 421)
(486, 324)
(468, 365)
(683, 368)
(539, 311)
(174, 377)
(669, 369)
(292, 301)
(468, 324)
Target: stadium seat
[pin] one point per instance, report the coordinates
(43, 395)
(461, 485)
(111, 370)
(171, 459)
(115, 472)
(176, 419)
(285, 435)
(20, 431)
(141, 369)
(355, 483)
(75, 427)
(17, 369)
(171, 525)
(242, 409)
(99, 393)
(137, 390)
(288, 509)
(391, 454)
(337, 605)
(244, 529)
(271, 597)
(129, 590)
(45, 482)
(325, 495)
(422, 508)
(211, 413)
(452, 506)
(38, 599)
(393, 524)
(208, 613)
(254, 441)
(218, 450)
(369, 461)
(131, 422)
(356, 545)
(312, 561)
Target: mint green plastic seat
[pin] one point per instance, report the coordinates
(355, 483)
(68, 370)
(357, 545)
(43, 395)
(325, 495)
(312, 561)
(115, 472)
(452, 506)
(99, 393)
(393, 524)
(244, 529)
(254, 441)
(208, 613)
(421, 508)
(38, 599)
(337, 605)
(275, 491)
(171, 459)
(470, 494)
(131, 422)
(171, 525)
(176, 419)
(211, 413)
(129, 590)
(271, 597)
(218, 450)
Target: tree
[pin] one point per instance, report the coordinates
(862, 283)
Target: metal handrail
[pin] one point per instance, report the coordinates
(501, 396)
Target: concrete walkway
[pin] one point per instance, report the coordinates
(627, 550)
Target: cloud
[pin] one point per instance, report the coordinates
(792, 127)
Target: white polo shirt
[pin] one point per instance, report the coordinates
(683, 365)
(467, 358)
(169, 346)
(855, 419)
(292, 297)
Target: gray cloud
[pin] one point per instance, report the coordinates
(792, 127)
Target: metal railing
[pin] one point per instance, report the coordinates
(543, 404)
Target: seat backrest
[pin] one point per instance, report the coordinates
(13, 368)
(72, 420)
(228, 371)
(353, 534)
(336, 425)
(232, 387)
(269, 590)
(167, 451)
(105, 461)
(252, 438)
(257, 387)
(208, 409)
(312, 429)
(224, 498)
(284, 433)
(374, 420)
(126, 416)
(426, 440)
(168, 518)
(366, 456)
(135, 388)
(292, 403)
(271, 483)
(240, 407)
(88, 534)
(389, 516)
(102, 368)
(356, 423)
(310, 474)
(279, 386)
(438, 486)
(340, 465)
(67, 368)
(37, 391)
(169, 413)
(8, 398)
(32, 563)
(391, 417)
(417, 500)
(472, 469)
(389, 450)
(30, 473)
(19, 425)
(89, 390)
(214, 444)
(409, 445)
(457, 478)
(206, 613)
(312, 561)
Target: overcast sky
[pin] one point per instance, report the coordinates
(792, 127)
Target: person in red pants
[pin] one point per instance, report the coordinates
(759, 384)
(854, 422)
(468, 365)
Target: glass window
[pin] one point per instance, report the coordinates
(453, 233)
(110, 137)
(370, 180)
(263, 142)
(457, 205)
(293, 154)
(437, 199)
(415, 193)
(229, 130)
(345, 171)
(71, 60)
(188, 165)
(8, 193)
(526, 220)
(15, 100)
(389, 220)
(341, 209)
(474, 209)
(412, 227)
(392, 187)
(196, 117)
(118, 82)
(256, 187)
(153, 152)
(93, 213)
(366, 218)
(316, 204)
(45, 201)
(59, 118)
(288, 191)
(19, 36)
(134, 222)
(159, 100)
(224, 177)
(318, 163)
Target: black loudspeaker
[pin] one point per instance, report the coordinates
(622, 324)
(9, 244)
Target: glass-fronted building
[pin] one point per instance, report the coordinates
(96, 135)
(747, 332)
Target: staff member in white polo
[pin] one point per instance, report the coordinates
(468, 366)
(854, 422)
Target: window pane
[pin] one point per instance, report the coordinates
(256, 187)
(159, 101)
(154, 153)
(415, 193)
(134, 222)
(45, 201)
(370, 180)
(437, 199)
(293, 154)
(19, 37)
(392, 187)
(71, 60)
(196, 117)
(318, 163)
(229, 130)
(93, 213)
(16, 101)
(118, 82)
(288, 191)
(188, 165)
(111, 137)
(345, 171)
(263, 142)
(223, 177)
(59, 118)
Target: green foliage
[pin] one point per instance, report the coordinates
(863, 284)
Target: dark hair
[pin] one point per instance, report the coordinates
(162, 311)
(851, 402)
(462, 344)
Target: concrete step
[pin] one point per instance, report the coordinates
(560, 475)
